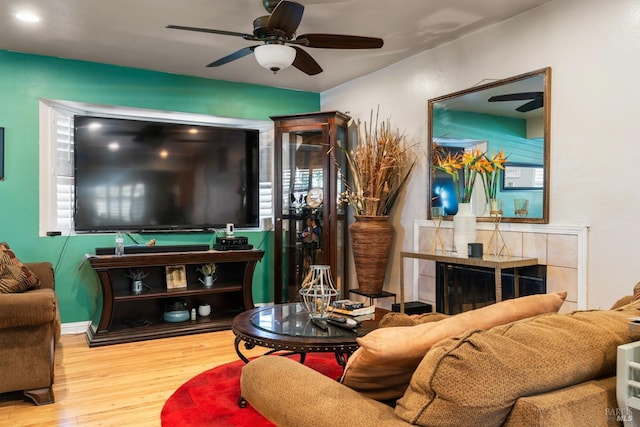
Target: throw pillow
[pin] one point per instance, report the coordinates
(627, 299)
(14, 275)
(479, 376)
(636, 292)
(383, 365)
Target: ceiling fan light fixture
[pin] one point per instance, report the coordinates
(275, 57)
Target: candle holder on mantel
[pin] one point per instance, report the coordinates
(521, 208)
(437, 213)
(497, 243)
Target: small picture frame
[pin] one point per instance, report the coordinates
(522, 176)
(176, 276)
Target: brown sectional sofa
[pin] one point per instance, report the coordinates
(546, 370)
(29, 331)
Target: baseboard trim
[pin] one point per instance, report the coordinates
(74, 328)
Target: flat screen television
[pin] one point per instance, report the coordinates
(139, 175)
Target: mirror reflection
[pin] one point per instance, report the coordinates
(503, 119)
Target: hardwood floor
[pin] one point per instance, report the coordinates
(119, 385)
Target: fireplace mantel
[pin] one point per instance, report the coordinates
(562, 248)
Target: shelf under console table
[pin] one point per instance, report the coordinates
(126, 316)
(495, 262)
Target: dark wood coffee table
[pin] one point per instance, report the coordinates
(288, 328)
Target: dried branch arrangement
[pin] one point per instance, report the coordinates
(380, 166)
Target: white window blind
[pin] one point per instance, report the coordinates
(266, 197)
(63, 170)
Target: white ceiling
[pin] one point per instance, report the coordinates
(132, 33)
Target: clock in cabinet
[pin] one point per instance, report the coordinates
(310, 222)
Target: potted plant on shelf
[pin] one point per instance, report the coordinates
(209, 273)
(379, 168)
(137, 276)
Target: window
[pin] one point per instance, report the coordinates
(56, 169)
(56, 155)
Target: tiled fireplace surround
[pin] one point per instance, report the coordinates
(563, 249)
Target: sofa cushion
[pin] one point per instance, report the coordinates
(38, 307)
(14, 275)
(586, 404)
(382, 367)
(492, 369)
(403, 319)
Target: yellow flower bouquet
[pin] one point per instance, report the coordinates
(469, 162)
(491, 167)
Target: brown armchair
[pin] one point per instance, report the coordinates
(29, 331)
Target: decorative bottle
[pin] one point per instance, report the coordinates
(119, 243)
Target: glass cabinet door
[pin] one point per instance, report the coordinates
(338, 257)
(310, 223)
(302, 206)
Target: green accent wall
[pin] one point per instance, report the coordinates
(24, 79)
(501, 133)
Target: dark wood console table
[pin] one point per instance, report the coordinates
(495, 262)
(125, 316)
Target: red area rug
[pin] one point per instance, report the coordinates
(211, 398)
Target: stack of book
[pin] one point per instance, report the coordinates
(354, 309)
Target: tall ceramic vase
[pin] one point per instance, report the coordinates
(371, 238)
(464, 228)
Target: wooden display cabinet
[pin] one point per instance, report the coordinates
(126, 316)
(308, 182)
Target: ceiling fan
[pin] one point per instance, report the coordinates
(280, 46)
(537, 100)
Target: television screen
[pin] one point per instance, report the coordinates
(139, 175)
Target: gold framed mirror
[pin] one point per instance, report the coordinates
(509, 116)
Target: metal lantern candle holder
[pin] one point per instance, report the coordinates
(318, 292)
(497, 243)
(437, 214)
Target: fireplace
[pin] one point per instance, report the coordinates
(471, 287)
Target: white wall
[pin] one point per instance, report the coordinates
(593, 48)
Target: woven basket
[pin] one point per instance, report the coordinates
(371, 238)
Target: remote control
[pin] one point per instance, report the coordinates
(343, 323)
(321, 324)
(345, 320)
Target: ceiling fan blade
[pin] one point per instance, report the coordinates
(212, 31)
(517, 96)
(305, 63)
(233, 56)
(286, 17)
(341, 41)
(531, 105)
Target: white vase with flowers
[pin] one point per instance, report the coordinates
(468, 165)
